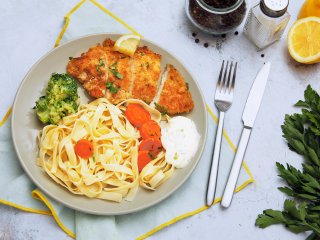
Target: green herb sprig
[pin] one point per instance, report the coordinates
(114, 70)
(297, 218)
(113, 89)
(100, 64)
(302, 132)
(161, 109)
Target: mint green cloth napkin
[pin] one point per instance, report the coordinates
(90, 17)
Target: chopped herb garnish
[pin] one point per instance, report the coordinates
(100, 64)
(112, 88)
(151, 155)
(70, 58)
(175, 156)
(141, 53)
(114, 71)
(122, 57)
(118, 75)
(114, 66)
(161, 109)
(147, 65)
(187, 85)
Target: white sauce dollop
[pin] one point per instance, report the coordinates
(180, 138)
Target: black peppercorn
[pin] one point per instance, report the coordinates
(220, 4)
(217, 23)
(262, 55)
(197, 40)
(223, 35)
(194, 34)
(206, 45)
(236, 33)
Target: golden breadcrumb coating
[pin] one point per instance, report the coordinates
(146, 73)
(104, 72)
(119, 73)
(90, 70)
(175, 96)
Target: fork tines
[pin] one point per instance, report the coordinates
(224, 81)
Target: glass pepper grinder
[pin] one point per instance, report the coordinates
(266, 22)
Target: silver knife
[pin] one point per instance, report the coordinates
(248, 117)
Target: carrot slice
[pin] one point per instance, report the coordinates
(150, 129)
(137, 115)
(151, 144)
(144, 157)
(84, 148)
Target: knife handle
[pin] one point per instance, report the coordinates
(212, 184)
(235, 170)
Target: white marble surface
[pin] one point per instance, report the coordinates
(28, 30)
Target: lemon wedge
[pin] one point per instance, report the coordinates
(304, 40)
(127, 44)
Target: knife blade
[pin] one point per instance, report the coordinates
(255, 96)
(248, 117)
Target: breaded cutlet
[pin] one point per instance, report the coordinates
(119, 73)
(104, 72)
(90, 70)
(146, 73)
(174, 97)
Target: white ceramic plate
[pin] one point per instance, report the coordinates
(25, 128)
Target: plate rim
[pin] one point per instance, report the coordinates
(56, 198)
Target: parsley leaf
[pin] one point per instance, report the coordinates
(269, 217)
(112, 88)
(297, 218)
(118, 75)
(113, 69)
(100, 64)
(302, 132)
(161, 109)
(151, 155)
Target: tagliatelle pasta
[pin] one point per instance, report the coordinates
(156, 172)
(111, 173)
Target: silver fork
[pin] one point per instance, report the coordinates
(223, 100)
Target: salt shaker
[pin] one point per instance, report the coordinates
(266, 22)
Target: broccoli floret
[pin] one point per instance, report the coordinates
(41, 104)
(62, 86)
(44, 116)
(61, 99)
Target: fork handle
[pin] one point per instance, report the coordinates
(235, 170)
(215, 162)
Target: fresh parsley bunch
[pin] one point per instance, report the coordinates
(302, 132)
